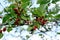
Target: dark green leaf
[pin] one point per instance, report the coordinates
(54, 1)
(40, 34)
(1, 35)
(6, 18)
(58, 32)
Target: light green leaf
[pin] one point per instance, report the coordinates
(9, 29)
(38, 12)
(24, 5)
(29, 28)
(0, 12)
(25, 17)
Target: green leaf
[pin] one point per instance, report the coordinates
(1, 35)
(11, 22)
(38, 12)
(57, 16)
(6, 18)
(40, 34)
(29, 28)
(9, 29)
(11, 11)
(13, 14)
(43, 1)
(21, 22)
(25, 17)
(12, 6)
(54, 1)
(37, 24)
(24, 1)
(24, 5)
(9, 8)
(27, 36)
(58, 32)
(0, 12)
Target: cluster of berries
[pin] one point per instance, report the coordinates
(41, 20)
(17, 21)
